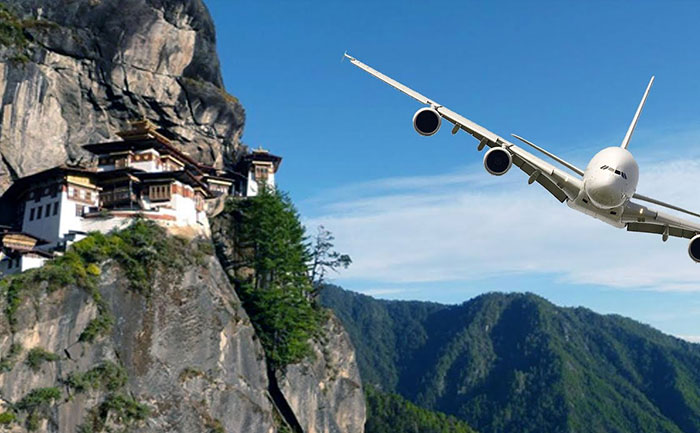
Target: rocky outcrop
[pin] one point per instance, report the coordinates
(325, 390)
(87, 67)
(188, 350)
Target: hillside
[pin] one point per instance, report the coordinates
(391, 413)
(516, 362)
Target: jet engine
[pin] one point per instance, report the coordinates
(694, 249)
(497, 161)
(426, 121)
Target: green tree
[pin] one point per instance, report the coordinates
(324, 258)
(271, 242)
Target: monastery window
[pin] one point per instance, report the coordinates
(38, 212)
(54, 191)
(79, 210)
(37, 196)
(31, 214)
(159, 192)
(121, 162)
(47, 212)
(55, 208)
(82, 194)
(71, 191)
(261, 173)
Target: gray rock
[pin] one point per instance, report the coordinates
(94, 65)
(325, 390)
(189, 350)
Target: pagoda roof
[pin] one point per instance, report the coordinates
(142, 144)
(23, 184)
(39, 241)
(259, 155)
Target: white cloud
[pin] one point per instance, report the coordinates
(382, 292)
(691, 338)
(467, 226)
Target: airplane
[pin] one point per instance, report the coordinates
(604, 190)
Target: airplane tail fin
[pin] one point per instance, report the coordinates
(630, 131)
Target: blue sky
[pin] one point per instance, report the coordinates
(419, 215)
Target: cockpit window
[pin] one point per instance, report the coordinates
(617, 172)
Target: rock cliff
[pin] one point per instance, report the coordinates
(95, 346)
(187, 351)
(75, 72)
(325, 391)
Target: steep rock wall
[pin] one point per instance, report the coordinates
(188, 349)
(90, 66)
(325, 390)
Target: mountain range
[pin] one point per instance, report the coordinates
(518, 363)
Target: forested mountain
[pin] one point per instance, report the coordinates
(391, 413)
(517, 363)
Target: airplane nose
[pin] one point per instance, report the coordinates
(605, 192)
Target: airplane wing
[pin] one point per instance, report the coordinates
(559, 183)
(642, 219)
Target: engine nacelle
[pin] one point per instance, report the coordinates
(497, 161)
(427, 121)
(694, 249)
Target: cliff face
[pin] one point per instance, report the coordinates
(325, 391)
(176, 355)
(188, 352)
(82, 69)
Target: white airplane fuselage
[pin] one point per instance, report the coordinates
(609, 181)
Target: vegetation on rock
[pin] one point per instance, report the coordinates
(15, 32)
(141, 250)
(118, 408)
(107, 376)
(7, 418)
(36, 404)
(11, 29)
(38, 356)
(10, 359)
